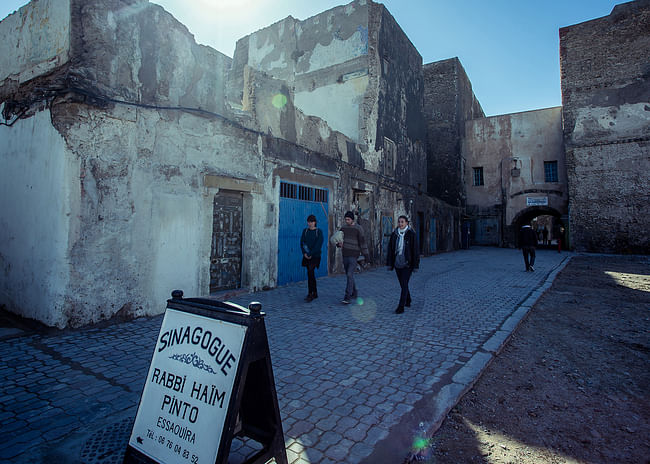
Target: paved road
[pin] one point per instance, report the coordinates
(356, 384)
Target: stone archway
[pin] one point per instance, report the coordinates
(525, 216)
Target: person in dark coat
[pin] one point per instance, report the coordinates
(527, 243)
(404, 257)
(311, 243)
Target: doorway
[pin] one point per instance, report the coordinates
(226, 252)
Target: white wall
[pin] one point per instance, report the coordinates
(38, 182)
(34, 40)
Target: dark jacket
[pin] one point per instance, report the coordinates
(411, 249)
(311, 243)
(527, 237)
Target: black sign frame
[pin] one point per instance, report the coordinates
(253, 410)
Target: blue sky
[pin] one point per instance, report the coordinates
(509, 48)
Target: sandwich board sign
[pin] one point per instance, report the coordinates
(210, 380)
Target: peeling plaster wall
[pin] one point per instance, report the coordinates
(145, 215)
(35, 40)
(512, 149)
(606, 109)
(140, 146)
(323, 60)
(38, 182)
(136, 51)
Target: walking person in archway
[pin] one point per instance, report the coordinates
(527, 243)
(404, 257)
(311, 243)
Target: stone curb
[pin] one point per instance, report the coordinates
(465, 378)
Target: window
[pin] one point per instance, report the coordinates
(550, 171)
(302, 192)
(478, 176)
(389, 156)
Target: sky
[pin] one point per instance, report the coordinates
(509, 48)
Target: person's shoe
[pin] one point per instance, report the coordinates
(308, 298)
(532, 269)
(345, 301)
(314, 296)
(399, 310)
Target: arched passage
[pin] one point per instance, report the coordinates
(557, 227)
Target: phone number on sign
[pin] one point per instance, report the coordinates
(178, 449)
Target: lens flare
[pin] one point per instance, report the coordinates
(420, 443)
(364, 311)
(279, 101)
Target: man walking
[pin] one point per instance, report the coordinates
(527, 243)
(354, 244)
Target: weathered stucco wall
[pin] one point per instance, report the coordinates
(135, 51)
(323, 59)
(512, 149)
(136, 132)
(606, 106)
(145, 214)
(34, 41)
(38, 180)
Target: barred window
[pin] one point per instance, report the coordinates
(288, 190)
(550, 171)
(390, 155)
(478, 176)
(302, 192)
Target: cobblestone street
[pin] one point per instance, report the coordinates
(355, 383)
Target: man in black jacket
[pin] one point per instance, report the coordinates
(527, 243)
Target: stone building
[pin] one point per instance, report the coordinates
(605, 68)
(136, 161)
(515, 172)
(448, 102)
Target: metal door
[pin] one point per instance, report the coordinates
(486, 231)
(226, 255)
(296, 203)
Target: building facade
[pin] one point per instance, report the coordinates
(136, 161)
(515, 172)
(606, 110)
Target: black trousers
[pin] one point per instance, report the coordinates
(529, 252)
(404, 275)
(311, 265)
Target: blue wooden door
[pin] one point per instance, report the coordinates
(296, 203)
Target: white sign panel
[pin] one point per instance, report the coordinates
(185, 399)
(536, 201)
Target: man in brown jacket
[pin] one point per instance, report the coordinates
(354, 244)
